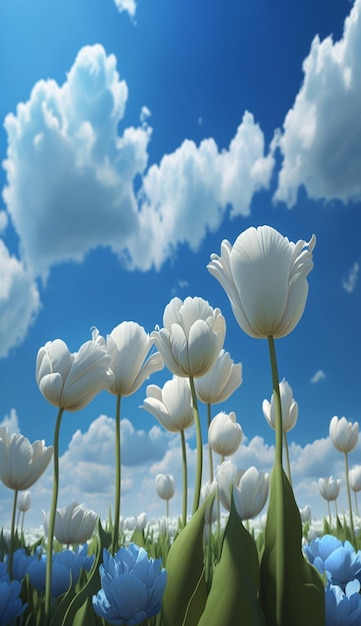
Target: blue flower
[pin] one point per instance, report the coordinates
(64, 564)
(336, 558)
(21, 563)
(132, 586)
(11, 606)
(343, 608)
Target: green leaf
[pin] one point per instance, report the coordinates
(186, 592)
(233, 598)
(303, 594)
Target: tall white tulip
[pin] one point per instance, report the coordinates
(171, 405)
(329, 487)
(264, 276)
(355, 482)
(289, 408)
(165, 487)
(21, 462)
(71, 380)
(192, 336)
(73, 524)
(218, 384)
(225, 434)
(344, 434)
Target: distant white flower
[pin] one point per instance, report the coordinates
(289, 408)
(344, 434)
(24, 501)
(355, 478)
(218, 384)
(329, 488)
(249, 488)
(172, 405)
(165, 486)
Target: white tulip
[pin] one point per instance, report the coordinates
(355, 478)
(218, 384)
(172, 405)
(289, 408)
(224, 434)
(192, 336)
(24, 501)
(249, 488)
(73, 524)
(22, 463)
(329, 488)
(264, 276)
(165, 486)
(71, 380)
(344, 434)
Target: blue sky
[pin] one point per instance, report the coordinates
(138, 135)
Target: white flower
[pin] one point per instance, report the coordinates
(264, 276)
(218, 384)
(24, 501)
(172, 405)
(329, 487)
(289, 408)
(128, 346)
(71, 380)
(355, 478)
(344, 434)
(192, 336)
(249, 488)
(165, 486)
(306, 513)
(224, 434)
(22, 463)
(142, 521)
(73, 524)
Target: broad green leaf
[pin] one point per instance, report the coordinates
(233, 598)
(303, 595)
(185, 569)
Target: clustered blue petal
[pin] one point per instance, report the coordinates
(11, 606)
(132, 586)
(336, 558)
(66, 566)
(343, 608)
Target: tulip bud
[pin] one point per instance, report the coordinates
(165, 486)
(329, 488)
(224, 434)
(24, 501)
(344, 434)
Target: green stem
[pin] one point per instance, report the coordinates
(198, 481)
(288, 464)
(280, 530)
(167, 511)
(329, 514)
(185, 479)
(356, 504)
(51, 525)
(117, 478)
(12, 535)
(352, 528)
(209, 447)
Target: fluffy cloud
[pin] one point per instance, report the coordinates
(319, 375)
(321, 138)
(19, 300)
(70, 176)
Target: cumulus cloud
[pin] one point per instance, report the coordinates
(19, 301)
(349, 283)
(321, 136)
(319, 375)
(11, 422)
(71, 177)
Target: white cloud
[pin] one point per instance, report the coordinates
(19, 301)
(321, 139)
(87, 471)
(71, 178)
(126, 5)
(349, 283)
(11, 422)
(319, 375)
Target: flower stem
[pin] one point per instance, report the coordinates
(117, 478)
(209, 447)
(12, 535)
(352, 528)
(288, 465)
(51, 525)
(198, 482)
(280, 530)
(185, 479)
